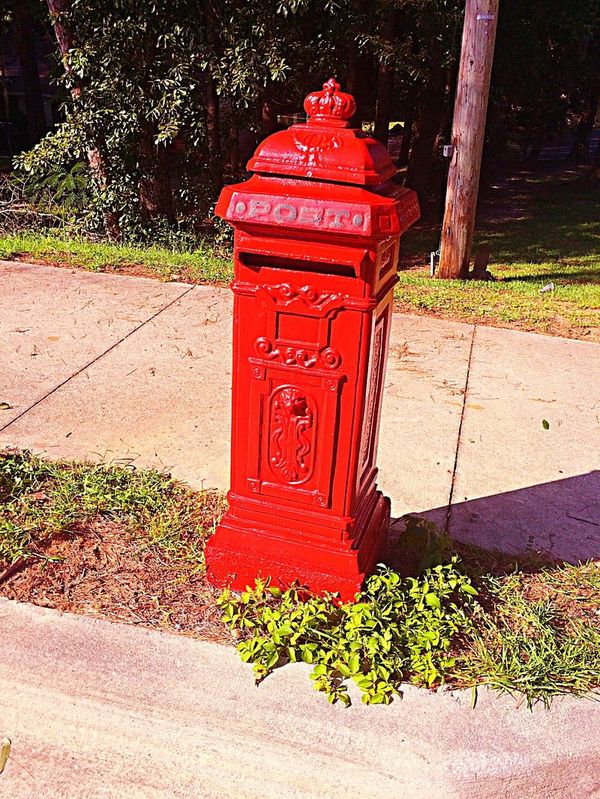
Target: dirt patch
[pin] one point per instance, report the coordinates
(104, 571)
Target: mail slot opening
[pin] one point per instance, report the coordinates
(256, 261)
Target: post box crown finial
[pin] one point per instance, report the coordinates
(330, 106)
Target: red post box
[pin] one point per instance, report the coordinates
(317, 230)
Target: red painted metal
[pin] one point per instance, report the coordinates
(317, 232)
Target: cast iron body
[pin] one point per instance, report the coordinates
(317, 231)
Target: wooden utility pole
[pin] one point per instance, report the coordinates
(468, 128)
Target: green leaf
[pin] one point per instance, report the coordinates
(354, 663)
(343, 669)
(473, 697)
(396, 630)
(545, 424)
(433, 601)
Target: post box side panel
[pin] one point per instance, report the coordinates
(240, 405)
(353, 332)
(367, 451)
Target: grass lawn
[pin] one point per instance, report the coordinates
(547, 232)
(543, 230)
(205, 264)
(128, 545)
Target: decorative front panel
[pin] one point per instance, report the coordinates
(291, 434)
(290, 451)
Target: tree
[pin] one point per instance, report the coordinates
(153, 89)
(32, 87)
(92, 137)
(159, 96)
(545, 70)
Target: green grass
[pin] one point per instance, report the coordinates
(205, 264)
(40, 499)
(557, 241)
(541, 637)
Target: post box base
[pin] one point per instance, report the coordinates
(239, 552)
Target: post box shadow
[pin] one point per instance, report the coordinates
(555, 521)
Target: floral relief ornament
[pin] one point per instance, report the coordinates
(291, 435)
(285, 294)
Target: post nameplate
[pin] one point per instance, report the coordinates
(300, 213)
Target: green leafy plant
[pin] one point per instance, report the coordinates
(396, 630)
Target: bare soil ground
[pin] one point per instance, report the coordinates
(101, 569)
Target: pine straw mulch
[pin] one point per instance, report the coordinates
(106, 568)
(102, 569)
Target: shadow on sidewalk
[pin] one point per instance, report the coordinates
(557, 521)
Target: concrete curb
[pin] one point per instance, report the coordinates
(97, 709)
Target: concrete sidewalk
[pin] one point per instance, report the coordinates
(131, 369)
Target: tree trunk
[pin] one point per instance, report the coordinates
(428, 117)
(99, 170)
(96, 155)
(385, 85)
(352, 74)
(32, 87)
(358, 70)
(234, 148)
(468, 131)
(406, 140)
(213, 126)
(156, 197)
(423, 135)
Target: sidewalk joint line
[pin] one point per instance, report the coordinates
(96, 359)
(459, 435)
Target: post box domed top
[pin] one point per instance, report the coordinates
(325, 147)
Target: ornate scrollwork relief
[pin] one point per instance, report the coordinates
(328, 358)
(374, 380)
(284, 294)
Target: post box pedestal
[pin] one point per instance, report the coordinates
(317, 231)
